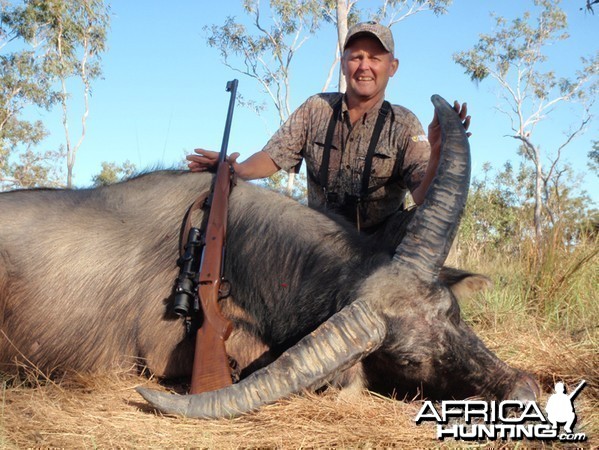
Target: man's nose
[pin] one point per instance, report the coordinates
(364, 65)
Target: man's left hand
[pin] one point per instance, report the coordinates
(434, 129)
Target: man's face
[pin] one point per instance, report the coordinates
(367, 67)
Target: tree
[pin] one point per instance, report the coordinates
(265, 51)
(23, 82)
(112, 173)
(492, 220)
(594, 158)
(70, 36)
(589, 6)
(279, 183)
(513, 56)
(267, 54)
(498, 218)
(33, 169)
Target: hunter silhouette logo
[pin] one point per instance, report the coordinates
(560, 406)
(508, 419)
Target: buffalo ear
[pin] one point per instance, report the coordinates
(464, 284)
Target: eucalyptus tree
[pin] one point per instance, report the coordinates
(23, 83)
(514, 58)
(113, 173)
(68, 38)
(594, 158)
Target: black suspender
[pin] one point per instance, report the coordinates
(323, 176)
(376, 133)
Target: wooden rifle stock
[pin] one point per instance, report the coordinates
(211, 368)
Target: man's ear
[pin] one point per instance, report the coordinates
(342, 63)
(394, 66)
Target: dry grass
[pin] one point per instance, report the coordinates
(106, 412)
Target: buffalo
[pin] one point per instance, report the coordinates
(87, 277)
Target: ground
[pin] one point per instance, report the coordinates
(106, 412)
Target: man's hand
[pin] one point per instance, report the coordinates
(207, 160)
(259, 165)
(434, 138)
(434, 129)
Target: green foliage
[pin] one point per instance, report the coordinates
(517, 45)
(266, 50)
(112, 173)
(31, 169)
(393, 11)
(594, 158)
(514, 57)
(64, 29)
(498, 218)
(491, 221)
(38, 169)
(55, 41)
(279, 181)
(23, 83)
(554, 287)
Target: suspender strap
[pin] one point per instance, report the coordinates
(323, 176)
(376, 133)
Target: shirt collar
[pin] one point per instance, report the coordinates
(368, 115)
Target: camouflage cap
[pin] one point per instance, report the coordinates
(381, 32)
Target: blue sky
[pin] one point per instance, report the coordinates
(163, 91)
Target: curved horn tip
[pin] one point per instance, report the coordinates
(439, 101)
(187, 405)
(161, 400)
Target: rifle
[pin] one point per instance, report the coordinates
(577, 390)
(211, 368)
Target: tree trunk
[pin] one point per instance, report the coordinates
(538, 198)
(342, 11)
(290, 182)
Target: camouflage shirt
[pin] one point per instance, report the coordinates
(398, 164)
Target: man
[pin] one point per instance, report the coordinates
(361, 153)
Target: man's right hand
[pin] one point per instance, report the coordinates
(206, 160)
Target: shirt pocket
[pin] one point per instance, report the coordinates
(315, 155)
(383, 162)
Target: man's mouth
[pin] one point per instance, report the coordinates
(365, 78)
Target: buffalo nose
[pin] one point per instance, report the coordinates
(526, 389)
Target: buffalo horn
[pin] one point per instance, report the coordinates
(336, 345)
(431, 231)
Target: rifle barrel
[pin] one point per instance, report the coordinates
(577, 390)
(232, 88)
